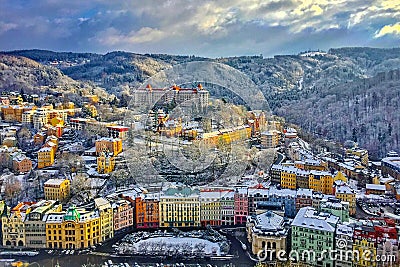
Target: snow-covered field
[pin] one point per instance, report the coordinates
(171, 246)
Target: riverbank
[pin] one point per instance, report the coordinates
(237, 257)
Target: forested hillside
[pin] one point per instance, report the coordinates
(365, 111)
(338, 94)
(20, 73)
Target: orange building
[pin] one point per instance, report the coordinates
(256, 121)
(55, 130)
(147, 213)
(22, 164)
(111, 145)
(14, 112)
(38, 138)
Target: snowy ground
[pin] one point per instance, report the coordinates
(171, 246)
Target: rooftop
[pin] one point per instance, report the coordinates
(392, 161)
(268, 223)
(344, 189)
(343, 229)
(310, 218)
(376, 187)
(54, 182)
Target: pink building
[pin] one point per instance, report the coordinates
(123, 215)
(241, 205)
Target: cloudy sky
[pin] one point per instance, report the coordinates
(198, 27)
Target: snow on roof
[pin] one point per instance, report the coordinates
(45, 149)
(260, 191)
(273, 191)
(87, 215)
(324, 173)
(392, 161)
(54, 217)
(344, 189)
(54, 182)
(313, 162)
(51, 144)
(102, 203)
(329, 204)
(343, 229)
(210, 195)
(290, 169)
(385, 180)
(20, 157)
(304, 192)
(268, 223)
(309, 217)
(228, 195)
(42, 206)
(375, 187)
(109, 139)
(93, 149)
(88, 158)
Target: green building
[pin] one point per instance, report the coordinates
(336, 207)
(313, 237)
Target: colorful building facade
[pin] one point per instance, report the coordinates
(57, 189)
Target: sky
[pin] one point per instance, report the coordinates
(212, 28)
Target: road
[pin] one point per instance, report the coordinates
(280, 158)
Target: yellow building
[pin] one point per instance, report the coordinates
(35, 227)
(45, 157)
(106, 218)
(75, 228)
(340, 177)
(68, 105)
(362, 245)
(210, 208)
(345, 193)
(105, 163)
(288, 178)
(315, 164)
(267, 232)
(57, 189)
(13, 227)
(321, 182)
(170, 128)
(179, 208)
(226, 136)
(111, 145)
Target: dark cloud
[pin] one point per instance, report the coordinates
(208, 28)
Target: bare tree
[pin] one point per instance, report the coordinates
(68, 162)
(265, 158)
(120, 177)
(24, 135)
(80, 185)
(95, 130)
(12, 189)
